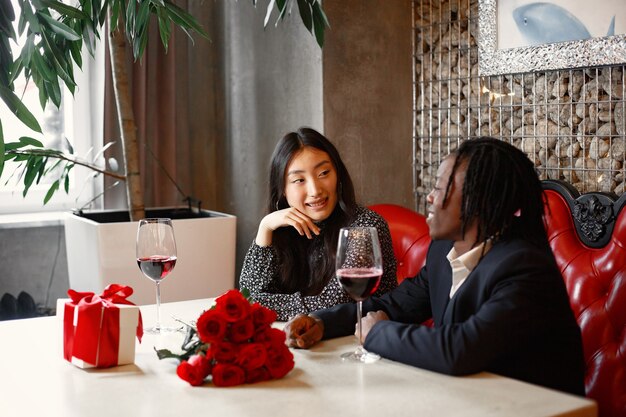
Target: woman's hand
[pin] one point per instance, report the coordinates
(285, 218)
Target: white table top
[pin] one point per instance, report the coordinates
(36, 381)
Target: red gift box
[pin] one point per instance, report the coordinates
(99, 330)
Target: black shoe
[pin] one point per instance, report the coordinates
(26, 306)
(8, 307)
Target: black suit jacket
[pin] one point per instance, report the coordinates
(511, 317)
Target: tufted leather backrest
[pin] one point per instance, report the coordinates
(588, 237)
(409, 236)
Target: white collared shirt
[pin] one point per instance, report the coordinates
(464, 264)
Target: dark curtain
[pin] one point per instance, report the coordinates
(174, 96)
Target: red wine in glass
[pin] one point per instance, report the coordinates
(359, 266)
(359, 283)
(156, 267)
(156, 257)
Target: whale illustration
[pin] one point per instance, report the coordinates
(541, 23)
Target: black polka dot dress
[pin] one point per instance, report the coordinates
(260, 274)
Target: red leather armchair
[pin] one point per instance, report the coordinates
(409, 236)
(588, 237)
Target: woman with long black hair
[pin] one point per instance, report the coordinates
(290, 266)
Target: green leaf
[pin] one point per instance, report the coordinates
(43, 92)
(19, 109)
(75, 48)
(7, 10)
(41, 171)
(16, 69)
(2, 149)
(319, 23)
(26, 140)
(30, 18)
(58, 59)
(28, 50)
(32, 166)
(67, 184)
(317, 9)
(51, 191)
(53, 90)
(245, 292)
(166, 353)
(115, 13)
(90, 41)
(65, 9)
(184, 19)
(59, 28)
(282, 8)
(42, 67)
(143, 15)
(13, 145)
(305, 13)
(103, 13)
(53, 167)
(21, 25)
(140, 42)
(130, 17)
(164, 28)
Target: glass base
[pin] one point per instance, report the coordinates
(162, 329)
(360, 355)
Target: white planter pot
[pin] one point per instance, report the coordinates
(99, 254)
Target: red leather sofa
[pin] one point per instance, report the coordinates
(587, 234)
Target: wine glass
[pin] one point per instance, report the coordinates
(359, 268)
(156, 257)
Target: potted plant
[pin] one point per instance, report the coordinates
(56, 33)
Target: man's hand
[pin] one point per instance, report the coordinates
(370, 320)
(289, 217)
(303, 331)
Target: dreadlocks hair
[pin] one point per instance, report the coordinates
(501, 192)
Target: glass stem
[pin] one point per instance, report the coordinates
(359, 305)
(158, 307)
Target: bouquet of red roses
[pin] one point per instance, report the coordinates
(234, 343)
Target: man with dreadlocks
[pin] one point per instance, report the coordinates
(490, 282)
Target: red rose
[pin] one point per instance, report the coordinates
(251, 356)
(194, 370)
(233, 305)
(211, 326)
(241, 330)
(227, 375)
(270, 335)
(257, 375)
(224, 351)
(279, 360)
(262, 315)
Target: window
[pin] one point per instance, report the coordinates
(79, 120)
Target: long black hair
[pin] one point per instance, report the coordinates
(501, 192)
(307, 265)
